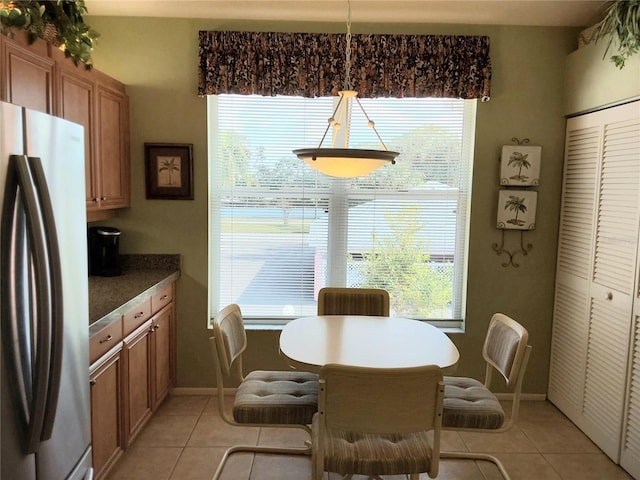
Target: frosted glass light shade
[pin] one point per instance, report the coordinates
(345, 162)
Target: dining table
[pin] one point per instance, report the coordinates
(308, 343)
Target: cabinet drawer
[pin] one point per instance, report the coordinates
(136, 316)
(105, 340)
(162, 298)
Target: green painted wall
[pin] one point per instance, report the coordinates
(157, 59)
(592, 80)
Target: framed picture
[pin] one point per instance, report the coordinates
(517, 209)
(520, 165)
(169, 170)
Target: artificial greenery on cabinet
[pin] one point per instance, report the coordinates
(620, 22)
(57, 21)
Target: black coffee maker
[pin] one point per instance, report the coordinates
(104, 256)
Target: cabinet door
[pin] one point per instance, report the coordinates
(27, 73)
(112, 147)
(106, 414)
(163, 378)
(138, 369)
(76, 104)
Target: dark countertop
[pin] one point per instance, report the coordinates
(110, 297)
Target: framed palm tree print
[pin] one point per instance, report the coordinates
(520, 165)
(517, 209)
(169, 170)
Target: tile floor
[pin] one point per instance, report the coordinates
(186, 439)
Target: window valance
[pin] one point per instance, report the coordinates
(312, 65)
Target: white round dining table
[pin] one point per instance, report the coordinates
(308, 343)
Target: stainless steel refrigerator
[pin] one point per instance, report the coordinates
(45, 422)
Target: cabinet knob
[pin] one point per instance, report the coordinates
(103, 198)
(138, 315)
(156, 326)
(609, 296)
(108, 338)
(164, 297)
(92, 381)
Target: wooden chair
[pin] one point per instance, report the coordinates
(353, 301)
(470, 405)
(377, 421)
(282, 399)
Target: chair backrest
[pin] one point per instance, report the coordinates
(353, 301)
(381, 400)
(505, 346)
(229, 338)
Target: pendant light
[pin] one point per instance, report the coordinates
(346, 162)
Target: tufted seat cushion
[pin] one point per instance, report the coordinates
(280, 397)
(367, 454)
(468, 404)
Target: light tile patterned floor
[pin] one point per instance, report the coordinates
(186, 440)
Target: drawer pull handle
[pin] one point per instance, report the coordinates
(156, 327)
(609, 296)
(138, 315)
(164, 296)
(107, 339)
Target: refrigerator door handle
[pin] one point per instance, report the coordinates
(28, 372)
(56, 321)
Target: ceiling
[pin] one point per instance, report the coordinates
(574, 13)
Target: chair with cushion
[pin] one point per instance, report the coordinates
(353, 301)
(470, 405)
(377, 421)
(283, 399)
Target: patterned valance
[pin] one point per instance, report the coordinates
(312, 65)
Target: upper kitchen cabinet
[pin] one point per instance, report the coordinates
(112, 144)
(100, 104)
(38, 76)
(27, 73)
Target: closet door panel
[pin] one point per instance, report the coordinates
(613, 280)
(582, 153)
(574, 265)
(630, 448)
(617, 222)
(630, 452)
(593, 377)
(606, 371)
(568, 353)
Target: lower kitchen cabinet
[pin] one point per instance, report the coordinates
(130, 381)
(106, 410)
(137, 361)
(162, 363)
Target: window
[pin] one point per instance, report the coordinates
(279, 230)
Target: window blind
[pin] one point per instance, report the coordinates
(280, 231)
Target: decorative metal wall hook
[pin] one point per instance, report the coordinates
(524, 250)
(520, 142)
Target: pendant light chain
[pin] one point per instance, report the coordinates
(347, 65)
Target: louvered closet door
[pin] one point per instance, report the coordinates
(630, 447)
(575, 244)
(596, 274)
(613, 280)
